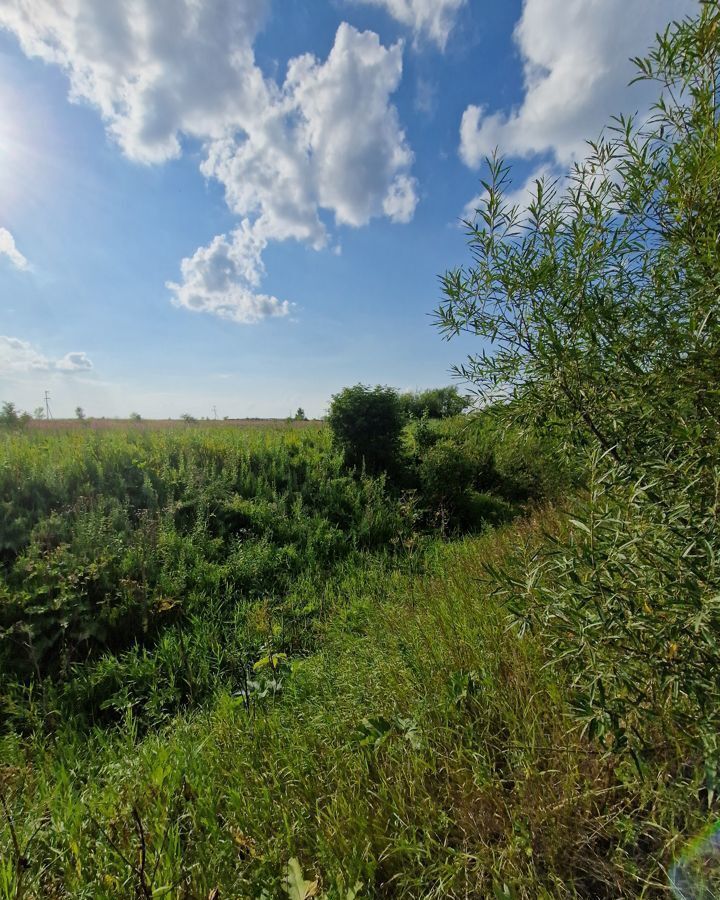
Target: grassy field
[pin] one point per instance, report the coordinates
(227, 664)
(95, 424)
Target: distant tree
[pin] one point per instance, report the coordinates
(79, 413)
(436, 403)
(39, 412)
(366, 424)
(300, 415)
(11, 417)
(186, 417)
(135, 417)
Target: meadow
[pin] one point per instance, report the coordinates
(233, 667)
(152, 578)
(421, 649)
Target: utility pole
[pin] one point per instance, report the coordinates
(47, 405)
(214, 409)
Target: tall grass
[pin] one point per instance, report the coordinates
(423, 750)
(135, 565)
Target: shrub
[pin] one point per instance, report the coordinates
(447, 474)
(366, 424)
(600, 305)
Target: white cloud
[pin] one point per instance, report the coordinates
(154, 68)
(576, 66)
(425, 97)
(327, 139)
(77, 361)
(433, 19)
(348, 129)
(8, 248)
(17, 357)
(218, 278)
(304, 154)
(20, 356)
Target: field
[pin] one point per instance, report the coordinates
(103, 424)
(422, 649)
(225, 657)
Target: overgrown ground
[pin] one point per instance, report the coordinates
(228, 662)
(422, 749)
(159, 586)
(233, 663)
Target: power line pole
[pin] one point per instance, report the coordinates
(214, 409)
(47, 405)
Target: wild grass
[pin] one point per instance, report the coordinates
(423, 750)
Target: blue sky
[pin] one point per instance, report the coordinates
(246, 204)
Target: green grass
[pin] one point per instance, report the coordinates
(226, 662)
(423, 750)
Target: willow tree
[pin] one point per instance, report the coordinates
(598, 302)
(597, 308)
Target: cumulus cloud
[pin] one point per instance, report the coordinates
(433, 19)
(155, 69)
(304, 154)
(217, 279)
(76, 361)
(576, 70)
(327, 139)
(8, 249)
(18, 356)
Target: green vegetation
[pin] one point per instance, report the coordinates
(437, 403)
(601, 302)
(415, 653)
(11, 417)
(366, 424)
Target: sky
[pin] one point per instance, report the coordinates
(239, 207)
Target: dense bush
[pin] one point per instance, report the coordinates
(366, 424)
(108, 540)
(116, 544)
(600, 303)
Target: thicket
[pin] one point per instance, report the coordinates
(129, 561)
(600, 305)
(463, 470)
(133, 563)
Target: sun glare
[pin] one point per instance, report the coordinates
(23, 169)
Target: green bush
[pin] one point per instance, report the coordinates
(110, 541)
(447, 474)
(366, 424)
(600, 305)
(435, 403)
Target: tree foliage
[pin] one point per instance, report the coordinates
(599, 308)
(600, 299)
(435, 403)
(366, 423)
(12, 417)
